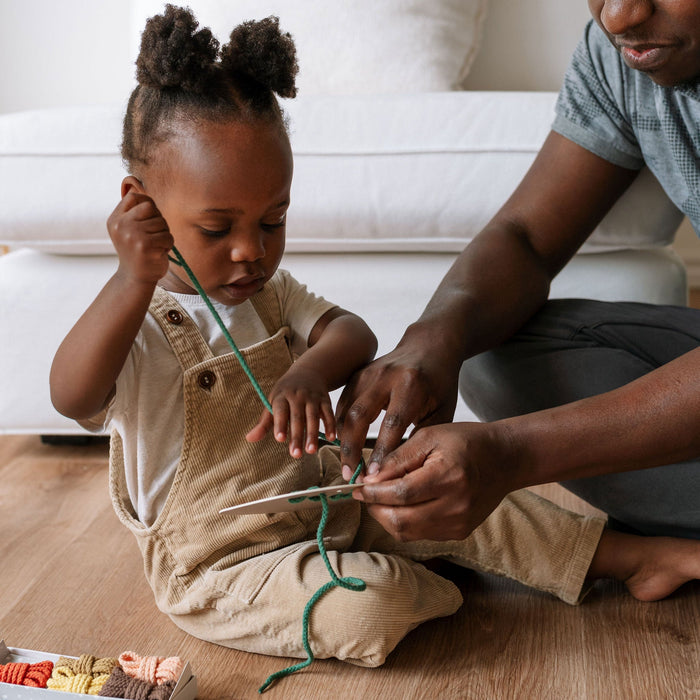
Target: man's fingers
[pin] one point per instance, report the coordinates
(353, 423)
(409, 403)
(419, 505)
(425, 521)
(391, 432)
(389, 461)
(402, 522)
(405, 479)
(443, 413)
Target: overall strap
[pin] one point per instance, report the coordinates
(267, 305)
(182, 333)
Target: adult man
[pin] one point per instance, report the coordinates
(588, 393)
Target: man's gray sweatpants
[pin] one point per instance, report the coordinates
(574, 348)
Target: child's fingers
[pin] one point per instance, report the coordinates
(140, 205)
(297, 430)
(312, 427)
(162, 240)
(261, 429)
(142, 208)
(280, 418)
(149, 218)
(328, 418)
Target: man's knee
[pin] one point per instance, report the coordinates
(500, 384)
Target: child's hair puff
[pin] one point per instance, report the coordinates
(183, 75)
(260, 51)
(174, 54)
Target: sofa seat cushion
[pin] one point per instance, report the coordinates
(388, 290)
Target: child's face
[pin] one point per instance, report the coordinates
(224, 191)
(660, 38)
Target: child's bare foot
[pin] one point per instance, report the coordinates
(651, 567)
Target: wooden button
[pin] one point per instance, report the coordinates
(206, 380)
(174, 316)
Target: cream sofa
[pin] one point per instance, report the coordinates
(388, 188)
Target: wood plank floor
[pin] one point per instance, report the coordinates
(71, 582)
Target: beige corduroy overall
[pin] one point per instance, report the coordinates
(243, 580)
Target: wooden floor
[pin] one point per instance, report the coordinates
(71, 582)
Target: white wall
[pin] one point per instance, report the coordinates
(527, 44)
(64, 52)
(55, 53)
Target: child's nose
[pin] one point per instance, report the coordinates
(619, 16)
(247, 247)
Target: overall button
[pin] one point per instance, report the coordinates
(174, 316)
(206, 380)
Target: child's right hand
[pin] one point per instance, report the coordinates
(141, 238)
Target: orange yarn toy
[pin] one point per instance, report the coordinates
(155, 670)
(32, 675)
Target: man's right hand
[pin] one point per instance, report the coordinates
(442, 483)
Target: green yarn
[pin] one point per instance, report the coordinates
(179, 260)
(334, 497)
(349, 582)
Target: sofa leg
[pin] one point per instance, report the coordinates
(75, 440)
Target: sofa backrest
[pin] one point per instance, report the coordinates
(356, 47)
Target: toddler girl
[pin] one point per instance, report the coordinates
(210, 171)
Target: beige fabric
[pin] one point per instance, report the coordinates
(243, 580)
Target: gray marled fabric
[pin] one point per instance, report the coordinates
(621, 115)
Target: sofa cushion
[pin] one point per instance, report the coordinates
(356, 46)
(382, 173)
(388, 291)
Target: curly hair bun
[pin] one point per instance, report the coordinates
(174, 54)
(182, 74)
(261, 52)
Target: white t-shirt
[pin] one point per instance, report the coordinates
(148, 409)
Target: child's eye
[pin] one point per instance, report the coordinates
(275, 224)
(215, 234)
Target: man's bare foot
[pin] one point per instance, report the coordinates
(651, 567)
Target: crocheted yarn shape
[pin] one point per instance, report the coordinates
(86, 674)
(29, 675)
(82, 665)
(88, 664)
(155, 670)
(120, 685)
(65, 680)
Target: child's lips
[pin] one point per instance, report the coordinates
(244, 287)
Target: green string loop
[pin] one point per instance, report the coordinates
(349, 582)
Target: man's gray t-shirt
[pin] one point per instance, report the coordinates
(624, 117)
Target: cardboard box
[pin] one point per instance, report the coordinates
(185, 688)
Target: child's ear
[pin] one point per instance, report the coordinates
(132, 184)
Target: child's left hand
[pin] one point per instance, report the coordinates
(300, 402)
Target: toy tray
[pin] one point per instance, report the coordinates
(185, 688)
